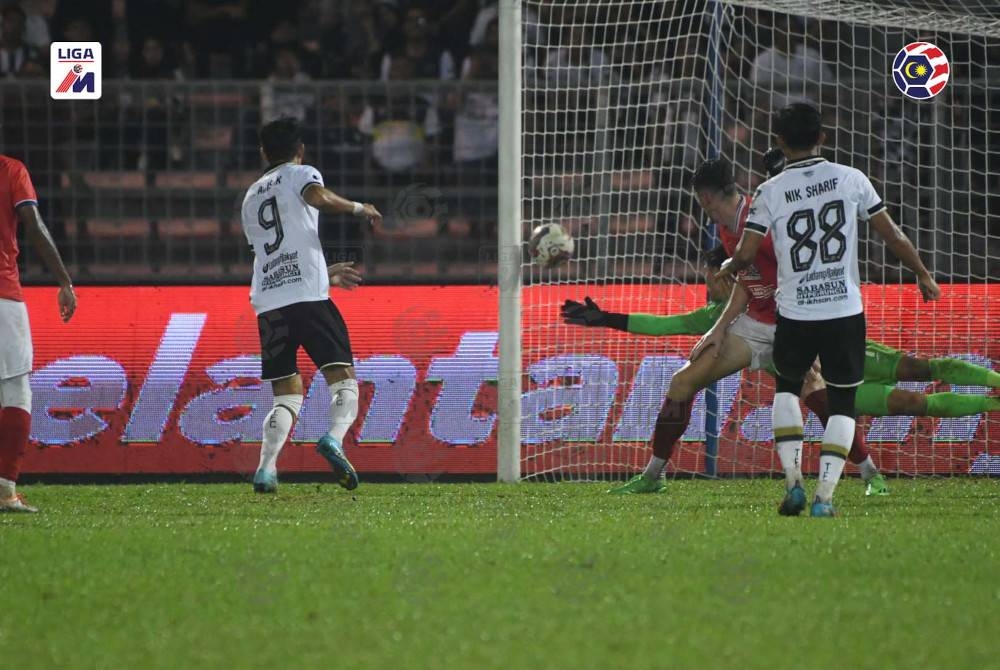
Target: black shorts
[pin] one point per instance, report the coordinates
(316, 326)
(839, 344)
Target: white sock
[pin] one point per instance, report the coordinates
(7, 488)
(786, 417)
(836, 445)
(343, 408)
(277, 425)
(654, 468)
(868, 468)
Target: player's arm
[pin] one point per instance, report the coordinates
(903, 249)
(746, 252)
(588, 313)
(41, 241)
(738, 301)
(329, 202)
(343, 275)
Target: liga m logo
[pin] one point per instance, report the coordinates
(920, 70)
(75, 70)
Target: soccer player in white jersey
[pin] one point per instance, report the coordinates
(812, 210)
(290, 293)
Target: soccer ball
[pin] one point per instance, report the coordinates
(550, 245)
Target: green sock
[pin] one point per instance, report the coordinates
(960, 404)
(955, 371)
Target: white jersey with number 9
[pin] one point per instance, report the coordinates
(288, 265)
(812, 211)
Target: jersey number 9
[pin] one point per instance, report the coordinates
(268, 218)
(832, 244)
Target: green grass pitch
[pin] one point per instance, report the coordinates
(705, 575)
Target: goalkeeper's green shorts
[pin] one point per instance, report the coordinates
(881, 362)
(872, 399)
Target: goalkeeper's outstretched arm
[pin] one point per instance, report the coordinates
(695, 322)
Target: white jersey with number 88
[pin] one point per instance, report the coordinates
(812, 210)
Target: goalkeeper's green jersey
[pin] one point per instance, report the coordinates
(698, 322)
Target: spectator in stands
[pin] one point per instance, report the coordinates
(16, 55)
(280, 95)
(285, 36)
(428, 60)
(789, 68)
(36, 26)
(399, 125)
(576, 65)
(152, 63)
(218, 31)
(477, 112)
(531, 35)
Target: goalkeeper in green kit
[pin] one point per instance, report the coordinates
(884, 366)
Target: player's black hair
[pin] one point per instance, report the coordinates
(714, 175)
(280, 139)
(799, 125)
(714, 257)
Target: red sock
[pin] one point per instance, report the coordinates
(816, 402)
(670, 425)
(859, 450)
(15, 426)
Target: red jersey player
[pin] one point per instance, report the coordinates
(18, 202)
(743, 336)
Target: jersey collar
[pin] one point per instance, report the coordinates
(273, 167)
(805, 162)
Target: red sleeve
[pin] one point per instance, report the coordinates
(22, 191)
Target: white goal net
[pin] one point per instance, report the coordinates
(621, 102)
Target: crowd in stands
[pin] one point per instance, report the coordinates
(399, 96)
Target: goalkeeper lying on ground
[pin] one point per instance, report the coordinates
(884, 366)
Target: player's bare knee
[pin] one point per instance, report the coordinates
(338, 373)
(683, 385)
(912, 369)
(906, 403)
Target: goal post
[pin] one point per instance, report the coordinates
(606, 109)
(509, 246)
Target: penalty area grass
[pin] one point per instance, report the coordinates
(484, 576)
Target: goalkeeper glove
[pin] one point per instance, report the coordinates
(774, 161)
(587, 313)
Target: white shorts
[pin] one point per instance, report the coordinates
(758, 336)
(15, 339)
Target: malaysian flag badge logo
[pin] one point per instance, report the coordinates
(75, 70)
(920, 70)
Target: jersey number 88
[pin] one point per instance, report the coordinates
(832, 244)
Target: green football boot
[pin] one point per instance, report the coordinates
(877, 486)
(639, 484)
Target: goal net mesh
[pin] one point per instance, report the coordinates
(623, 99)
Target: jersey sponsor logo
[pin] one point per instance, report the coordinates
(75, 70)
(920, 70)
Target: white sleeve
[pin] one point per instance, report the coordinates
(304, 176)
(869, 201)
(759, 219)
